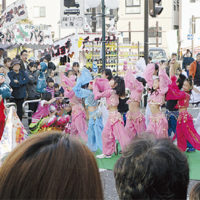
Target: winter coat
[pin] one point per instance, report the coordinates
(32, 84)
(19, 89)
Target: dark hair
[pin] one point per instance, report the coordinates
(50, 80)
(180, 81)
(75, 64)
(17, 57)
(190, 81)
(195, 192)
(156, 67)
(174, 54)
(32, 64)
(120, 88)
(46, 96)
(47, 57)
(24, 51)
(108, 73)
(57, 93)
(152, 168)
(142, 80)
(67, 73)
(58, 165)
(7, 60)
(56, 85)
(85, 86)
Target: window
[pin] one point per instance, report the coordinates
(133, 6)
(155, 34)
(39, 12)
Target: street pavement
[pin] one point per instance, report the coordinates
(107, 176)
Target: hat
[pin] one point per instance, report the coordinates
(15, 62)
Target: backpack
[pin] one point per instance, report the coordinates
(41, 83)
(5, 91)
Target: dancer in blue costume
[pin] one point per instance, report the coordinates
(84, 89)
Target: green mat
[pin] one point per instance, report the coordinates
(193, 159)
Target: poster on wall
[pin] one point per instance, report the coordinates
(14, 13)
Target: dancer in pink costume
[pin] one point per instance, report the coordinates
(114, 128)
(135, 120)
(78, 124)
(158, 124)
(186, 133)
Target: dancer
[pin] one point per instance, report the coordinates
(114, 128)
(78, 125)
(158, 124)
(171, 98)
(186, 133)
(135, 119)
(2, 116)
(95, 124)
(150, 74)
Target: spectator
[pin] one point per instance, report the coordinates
(50, 166)
(75, 68)
(7, 64)
(173, 65)
(1, 56)
(24, 57)
(195, 193)
(50, 86)
(50, 64)
(3, 71)
(33, 74)
(18, 82)
(152, 169)
(187, 60)
(58, 88)
(195, 73)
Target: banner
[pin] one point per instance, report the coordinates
(14, 133)
(25, 34)
(13, 14)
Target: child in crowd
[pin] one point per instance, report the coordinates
(114, 128)
(4, 71)
(84, 89)
(58, 88)
(78, 125)
(158, 124)
(7, 64)
(187, 136)
(5, 90)
(50, 86)
(135, 119)
(18, 83)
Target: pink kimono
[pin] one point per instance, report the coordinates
(158, 123)
(135, 121)
(79, 124)
(185, 128)
(114, 128)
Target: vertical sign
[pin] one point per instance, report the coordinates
(72, 13)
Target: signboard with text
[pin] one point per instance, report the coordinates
(72, 13)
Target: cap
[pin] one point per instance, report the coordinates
(15, 62)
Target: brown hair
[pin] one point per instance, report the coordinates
(50, 166)
(195, 193)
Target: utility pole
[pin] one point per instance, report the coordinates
(129, 32)
(94, 20)
(157, 34)
(193, 32)
(103, 35)
(146, 30)
(3, 5)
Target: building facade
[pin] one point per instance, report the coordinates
(131, 23)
